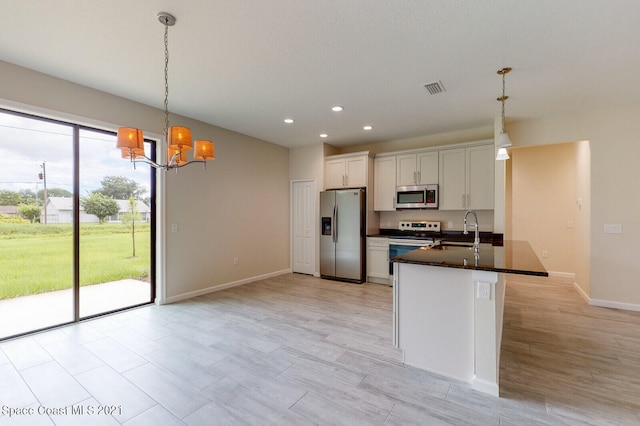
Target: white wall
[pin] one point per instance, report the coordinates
(613, 136)
(239, 207)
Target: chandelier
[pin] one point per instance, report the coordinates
(178, 138)
(503, 137)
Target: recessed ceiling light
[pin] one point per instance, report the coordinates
(288, 120)
(324, 135)
(368, 127)
(337, 108)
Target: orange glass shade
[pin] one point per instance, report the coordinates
(179, 137)
(204, 151)
(130, 138)
(180, 159)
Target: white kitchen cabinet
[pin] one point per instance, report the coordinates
(384, 183)
(466, 178)
(346, 171)
(417, 169)
(378, 260)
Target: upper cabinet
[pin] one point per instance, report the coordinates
(384, 183)
(466, 178)
(417, 169)
(346, 171)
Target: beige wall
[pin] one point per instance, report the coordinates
(239, 207)
(613, 267)
(544, 191)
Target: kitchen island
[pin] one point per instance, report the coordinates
(448, 304)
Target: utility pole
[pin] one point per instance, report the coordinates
(43, 177)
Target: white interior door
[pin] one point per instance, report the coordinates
(304, 235)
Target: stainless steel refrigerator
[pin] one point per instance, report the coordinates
(342, 235)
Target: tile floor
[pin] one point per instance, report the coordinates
(294, 350)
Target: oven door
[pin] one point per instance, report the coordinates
(398, 247)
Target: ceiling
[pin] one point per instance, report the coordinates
(246, 65)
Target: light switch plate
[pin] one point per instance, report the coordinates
(612, 228)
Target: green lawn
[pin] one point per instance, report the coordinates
(37, 258)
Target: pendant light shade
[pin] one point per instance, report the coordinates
(503, 138)
(502, 154)
(176, 156)
(179, 137)
(130, 138)
(204, 151)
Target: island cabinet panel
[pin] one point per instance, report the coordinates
(436, 320)
(384, 184)
(466, 178)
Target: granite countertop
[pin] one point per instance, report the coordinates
(514, 257)
(485, 237)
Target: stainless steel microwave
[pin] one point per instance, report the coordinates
(417, 197)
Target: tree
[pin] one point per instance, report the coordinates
(27, 196)
(130, 217)
(99, 205)
(29, 211)
(120, 188)
(9, 198)
(54, 192)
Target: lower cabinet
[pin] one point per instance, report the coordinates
(378, 260)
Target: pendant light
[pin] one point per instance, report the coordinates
(503, 137)
(178, 138)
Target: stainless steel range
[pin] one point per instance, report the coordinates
(413, 235)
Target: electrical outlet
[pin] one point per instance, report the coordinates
(449, 225)
(174, 227)
(545, 254)
(484, 290)
(569, 224)
(236, 261)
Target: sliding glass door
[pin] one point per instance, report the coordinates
(115, 227)
(36, 231)
(76, 225)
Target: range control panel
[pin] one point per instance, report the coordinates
(423, 225)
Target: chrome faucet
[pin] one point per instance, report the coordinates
(476, 240)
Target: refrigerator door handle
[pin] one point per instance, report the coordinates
(335, 224)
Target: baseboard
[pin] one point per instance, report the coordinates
(584, 295)
(485, 386)
(614, 305)
(192, 294)
(606, 303)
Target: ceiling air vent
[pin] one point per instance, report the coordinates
(434, 87)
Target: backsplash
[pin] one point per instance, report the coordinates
(390, 220)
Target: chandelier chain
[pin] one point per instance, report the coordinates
(166, 80)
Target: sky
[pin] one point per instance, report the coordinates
(25, 144)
